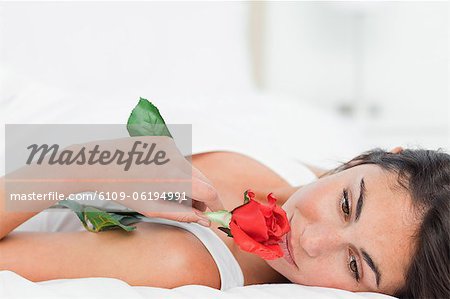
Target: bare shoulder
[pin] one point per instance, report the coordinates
(238, 166)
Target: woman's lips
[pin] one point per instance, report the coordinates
(287, 249)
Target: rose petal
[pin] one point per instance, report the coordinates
(271, 199)
(248, 244)
(281, 220)
(251, 220)
(266, 210)
(250, 194)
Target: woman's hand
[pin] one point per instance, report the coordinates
(165, 170)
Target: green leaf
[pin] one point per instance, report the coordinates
(145, 120)
(96, 220)
(74, 206)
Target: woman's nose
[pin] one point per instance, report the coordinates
(319, 239)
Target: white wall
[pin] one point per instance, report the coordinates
(385, 64)
(309, 51)
(405, 58)
(128, 48)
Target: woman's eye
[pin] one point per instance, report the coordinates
(345, 206)
(353, 266)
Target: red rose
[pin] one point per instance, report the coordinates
(258, 228)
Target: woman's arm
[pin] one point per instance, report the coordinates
(46, 178)
(10, 219)
(154, 255)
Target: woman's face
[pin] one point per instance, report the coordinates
(351, 230)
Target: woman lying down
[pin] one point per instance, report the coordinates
(378, 223)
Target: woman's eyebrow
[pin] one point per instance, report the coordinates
(361, 198)
(367, 258)
(369, 261)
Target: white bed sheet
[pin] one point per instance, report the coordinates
(13, 286)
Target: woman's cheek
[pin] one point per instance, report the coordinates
(308, 200)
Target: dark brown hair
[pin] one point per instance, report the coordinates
(425, 174)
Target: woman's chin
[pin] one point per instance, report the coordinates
(282, 266)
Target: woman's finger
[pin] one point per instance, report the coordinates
(188, 215)
(198, 174)
(206, 193)
(199, 205)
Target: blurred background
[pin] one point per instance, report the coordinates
(318, 81)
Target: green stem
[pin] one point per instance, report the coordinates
(223, 217)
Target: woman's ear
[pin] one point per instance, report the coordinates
(396, 150)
